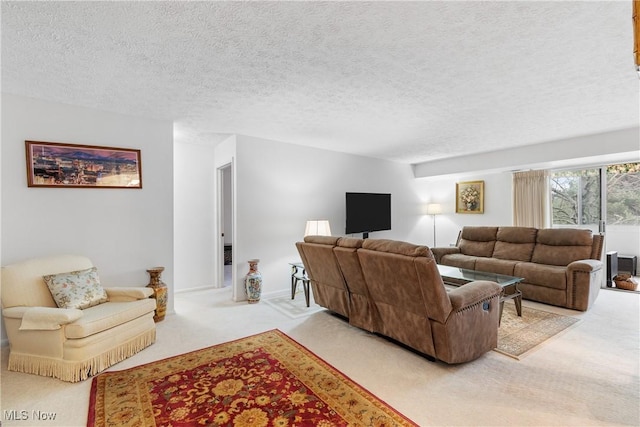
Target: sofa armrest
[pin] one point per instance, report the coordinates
(471, 294)
(472, 326)
(438, 253)
(586, 265)
(584, 278)
(42, 318)
(123, 294)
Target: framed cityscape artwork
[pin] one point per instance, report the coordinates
(54, 164)
(470, 197)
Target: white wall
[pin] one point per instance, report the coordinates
(624, 239)
(498, 208)
(279, 186)
(194, 216)
(123, 231)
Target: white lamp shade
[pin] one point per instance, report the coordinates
(318, 228)
(434, 209)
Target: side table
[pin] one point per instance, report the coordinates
(298, 273)
(628, 264)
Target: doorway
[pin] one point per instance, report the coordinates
(225, 258)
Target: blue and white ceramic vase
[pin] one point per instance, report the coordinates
(253, 282)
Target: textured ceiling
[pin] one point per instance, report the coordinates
(408, 82)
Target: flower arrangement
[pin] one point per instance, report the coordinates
(470, 196)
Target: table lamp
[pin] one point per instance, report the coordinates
(317, 228)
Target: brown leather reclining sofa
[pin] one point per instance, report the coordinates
(394, 289)
(560, 266)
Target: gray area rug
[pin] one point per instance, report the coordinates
(294, 308)
(519, 336)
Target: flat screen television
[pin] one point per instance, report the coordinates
(368, 212)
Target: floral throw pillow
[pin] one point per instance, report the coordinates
(76, 289)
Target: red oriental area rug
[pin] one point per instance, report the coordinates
(263, 380)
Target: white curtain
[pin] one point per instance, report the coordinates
(531, 199)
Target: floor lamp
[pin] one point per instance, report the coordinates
(434, 209)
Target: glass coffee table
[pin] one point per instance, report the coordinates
(454, 276)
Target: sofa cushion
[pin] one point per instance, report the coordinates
(478, 241)
(362, 313)
(460, 261)
(469, 247)
(396, 247)
(565, 237)
(494, 265)
(480, 234)
(323, 240)
(350, 242)
(515, 243)
(549, 276)
(108, 315)
(395, 291)
(517, 234)
(562, 246)
(76, 289)
(329, 288)
(513, 251)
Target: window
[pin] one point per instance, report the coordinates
(576, 195)
(623, 194)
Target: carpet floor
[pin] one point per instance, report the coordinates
(587, 376)
(264, 379)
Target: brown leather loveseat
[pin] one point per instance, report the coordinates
(394, 289)
(560, 266)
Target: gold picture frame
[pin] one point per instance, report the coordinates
(470, 197)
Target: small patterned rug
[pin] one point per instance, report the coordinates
(263, 380)
(518, 336)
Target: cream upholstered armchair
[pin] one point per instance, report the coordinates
(62, 323)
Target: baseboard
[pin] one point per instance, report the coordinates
(201, 288)
(272, 294)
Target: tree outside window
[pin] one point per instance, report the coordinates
(575, 195)
(623, 194)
